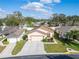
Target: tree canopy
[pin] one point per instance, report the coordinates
(64, 20)
(17, 18)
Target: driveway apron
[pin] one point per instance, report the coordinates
(33, 48)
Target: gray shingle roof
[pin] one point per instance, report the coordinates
(9, 29)
(15, 34)
(64, 29)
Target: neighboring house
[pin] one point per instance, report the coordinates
(37, 34)
(36, 24)
(15, 36)
(62, 30)
(39, 23)
(27, 28)
(9, 29)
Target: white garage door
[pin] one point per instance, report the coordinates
(36, 38)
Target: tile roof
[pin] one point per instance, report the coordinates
(46, 28)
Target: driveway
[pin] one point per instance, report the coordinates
(33, 48)
(7, 51)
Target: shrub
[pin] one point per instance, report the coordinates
(24, 37)
(56, 35)
(5, 41)
(47, 40)
(50, 40)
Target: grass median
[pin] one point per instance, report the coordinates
(2, 48)
(18, 47)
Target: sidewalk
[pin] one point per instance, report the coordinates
(7, 51)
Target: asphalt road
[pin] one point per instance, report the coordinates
(46, 57)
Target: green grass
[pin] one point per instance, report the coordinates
(0, 39)
(73, 45)
(18, 47)
(53, 48)
(61, 46)
(2, 48)
(5, 42)
(58, 41)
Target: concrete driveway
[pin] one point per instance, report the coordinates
(30, 48)
(33, 48)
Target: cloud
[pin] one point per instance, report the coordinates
(35, 6)
(50, 1)
(1, 10)
(46, 1)
(2, 13)
(57, 1)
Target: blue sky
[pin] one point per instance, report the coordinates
(39, 8)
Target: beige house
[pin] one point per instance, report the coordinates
(37, 34)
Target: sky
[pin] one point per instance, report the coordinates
(39, 8)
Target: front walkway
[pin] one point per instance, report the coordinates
(7, 51)
(33, 48)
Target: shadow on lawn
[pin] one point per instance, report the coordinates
(70, 44)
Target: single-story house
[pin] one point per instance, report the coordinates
(9, 29)
(62, 30)
(38, 33)
(15, 36)
(36, 24)
(12, 33)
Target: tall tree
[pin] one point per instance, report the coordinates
(14, 19)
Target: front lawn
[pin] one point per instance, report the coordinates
(18, 47)
(52, 48)
(73, 45)
(2, 48)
